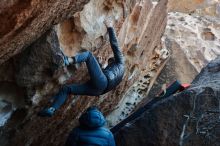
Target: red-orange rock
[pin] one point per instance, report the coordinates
(22, 22)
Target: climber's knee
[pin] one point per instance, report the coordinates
(88, 53)
(65, 89)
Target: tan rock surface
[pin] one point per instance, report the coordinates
(202, 7)
(197, 36)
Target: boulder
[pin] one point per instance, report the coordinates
(187, 118)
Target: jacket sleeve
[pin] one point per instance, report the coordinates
(72, 138)
(111, 140)
(115, 47)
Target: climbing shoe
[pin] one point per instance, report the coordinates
(61, 59)
(65, 59)
(48, 112)
(66, 62)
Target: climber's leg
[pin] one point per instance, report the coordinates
(97, 77)
(94, 87)
(61, 96)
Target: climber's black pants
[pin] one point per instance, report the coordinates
(94, 87)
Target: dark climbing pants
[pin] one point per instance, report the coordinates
(94, 87)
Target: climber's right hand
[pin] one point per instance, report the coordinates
(108, 22)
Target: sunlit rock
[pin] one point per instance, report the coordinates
(197, 36)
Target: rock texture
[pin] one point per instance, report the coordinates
(197, 36)
(139, 25)
(193, 25)
(191, 40)
(22, 22)
(37, 64)
(141, 76)
(30, 44)
(188, 118)
(201, 7)
(177, 68)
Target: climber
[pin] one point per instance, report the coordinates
(91, 131)
(101, 80)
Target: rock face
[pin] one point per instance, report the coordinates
(37, 64)
(201, 7)
(197, 36)
(177, 68)
(193, 26)
(139, 25)
(22, 22)
(191, 38)
(188, 118)
(140, 76)
(30, 43)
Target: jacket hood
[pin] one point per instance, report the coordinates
(92, 118)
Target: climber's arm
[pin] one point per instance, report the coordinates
(118, 56)
(115, 47)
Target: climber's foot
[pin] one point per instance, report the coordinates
(47, 112)
(61, 59)
(65, 59)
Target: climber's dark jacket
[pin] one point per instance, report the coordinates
(91, 131)
(114, 71)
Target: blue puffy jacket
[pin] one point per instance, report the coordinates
(91, 131)
(114, 71)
